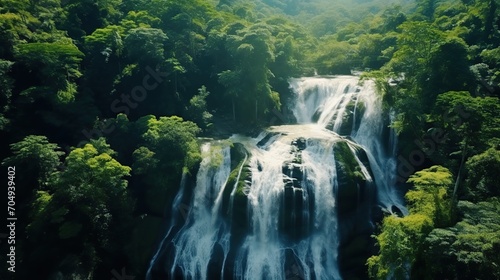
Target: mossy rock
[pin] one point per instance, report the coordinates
(346, 160)
(239, 210)
(237, 153)
(350, 118)
(349, 177)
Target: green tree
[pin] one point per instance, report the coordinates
(197, 109)
(470, 123)
(430, 194)
(415, 46)
(401, 239)
(85, 210)
(15, 27)
(84, 17)
(400, 244)
(56, 66)
(482, 171)
(468, 249)
(426, 8)
(376, 49)
(426, 68)
(6, 85)
(449, 69)
(231, 82)
(172, 140)
(392, 18)
(167, 150)
(248, 82)
(335, 57)
(146, 45)
(92, 171)
(36, 156)
(136, 19)
(106, 41)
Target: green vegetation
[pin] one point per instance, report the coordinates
(101, 103)
(347, 163)
(401, 239)
(447, 107)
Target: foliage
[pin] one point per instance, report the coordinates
(68, 66)
(468, 118)
(253, 54)
(400, 242)
(470, 248)
(35, 155)
(336, 57)
(482, 174)
(84, 200)
(455, 56)
(145, 45)
(6, 84)
(56, 65)
(172, 140)
(430, 195)
(93, 165)
(401, 239)
(109, 37)
(198, 109)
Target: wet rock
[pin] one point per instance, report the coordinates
(238, 153)
(292, 225)
(353, 254)
(293, 267)
(234, 209)
(317, 114)
(355, 200)
(351, 118)
(216, 263)
(395, 210)
(300, 143)
(266, 141)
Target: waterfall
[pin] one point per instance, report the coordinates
(195, 241)
(293, 202)
(328, 101)
(176, 205)
(263, 254)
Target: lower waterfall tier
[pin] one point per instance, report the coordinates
(273, 206)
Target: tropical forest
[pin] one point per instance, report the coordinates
(250, 139)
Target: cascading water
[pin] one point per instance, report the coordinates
(204, 227)
(264, 251)
(329, 101)
(290, 203)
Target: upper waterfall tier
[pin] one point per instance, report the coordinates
(332, 102)
(351, 107)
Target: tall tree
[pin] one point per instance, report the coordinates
(55, 66)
